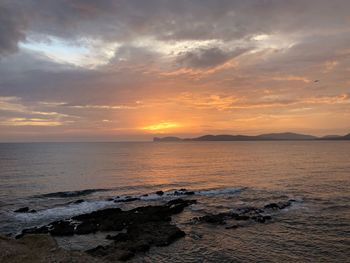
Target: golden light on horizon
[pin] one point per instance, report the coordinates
(159, 127)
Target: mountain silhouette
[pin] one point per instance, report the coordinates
(285, 136)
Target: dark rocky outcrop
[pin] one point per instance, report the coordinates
(279, 205)
(139, 238)
(25, 210)
(244, 214)
(145, 227)
(22, 210)
(183, 192)
(79, 201)
(118, 237)
(127, 199)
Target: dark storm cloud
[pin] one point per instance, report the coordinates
(165, 19)
(33, 77)
(207, 57)
(134, 55)
(12, 28)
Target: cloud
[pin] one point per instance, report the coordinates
(12, 28)
(207, 57)
(126, 20)
(80, 62)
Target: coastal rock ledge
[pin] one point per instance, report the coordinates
(137, 229)
(142, 228)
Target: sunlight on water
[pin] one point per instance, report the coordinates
(222, 175)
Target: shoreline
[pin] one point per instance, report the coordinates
(137, 229)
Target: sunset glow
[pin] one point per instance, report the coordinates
(161, 126)
(122, 71)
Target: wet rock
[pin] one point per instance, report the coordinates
(259, 219)
(177, 206)
(160, 193)
(249, 210)
(146, 226)
(79, 201)
(271, 206)
(232, 227)
(99, 214)
(127, 199)
(278, 206)
(85, 228)
(219, 219)
(239, 217)
(183, 191)
(267, 217)
(22, 210)
(159, 234)
(61, 228)
(118, 237)
(139, 238)
(244, 213)
(34, 230)
(57, 228)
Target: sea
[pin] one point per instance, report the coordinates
(59, 180)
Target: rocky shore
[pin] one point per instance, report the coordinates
(137, 230)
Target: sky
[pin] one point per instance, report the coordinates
(111, 70)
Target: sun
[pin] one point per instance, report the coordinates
(161, 126)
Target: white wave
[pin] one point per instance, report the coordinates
(220, 191)
(64, 211)
(73, 209)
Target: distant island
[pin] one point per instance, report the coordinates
(286, 136)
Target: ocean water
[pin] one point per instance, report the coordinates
(49, 177)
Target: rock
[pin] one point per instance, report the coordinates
(271, 206)
(279, 205)
(118, 237)
(176, 206)
(283, 205)
(160, 193)
(244, 213)
(146, 226)
(183, 191)
(232, 227)
(259, 219)
(34, 230)
(214, 219)
(32, 211)
(249, 210)
(240, 217)
(267, 217)
(79, 201)
(128, 199)
(85, 228)
(61, 228)
(22, 210)
(139, 238)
